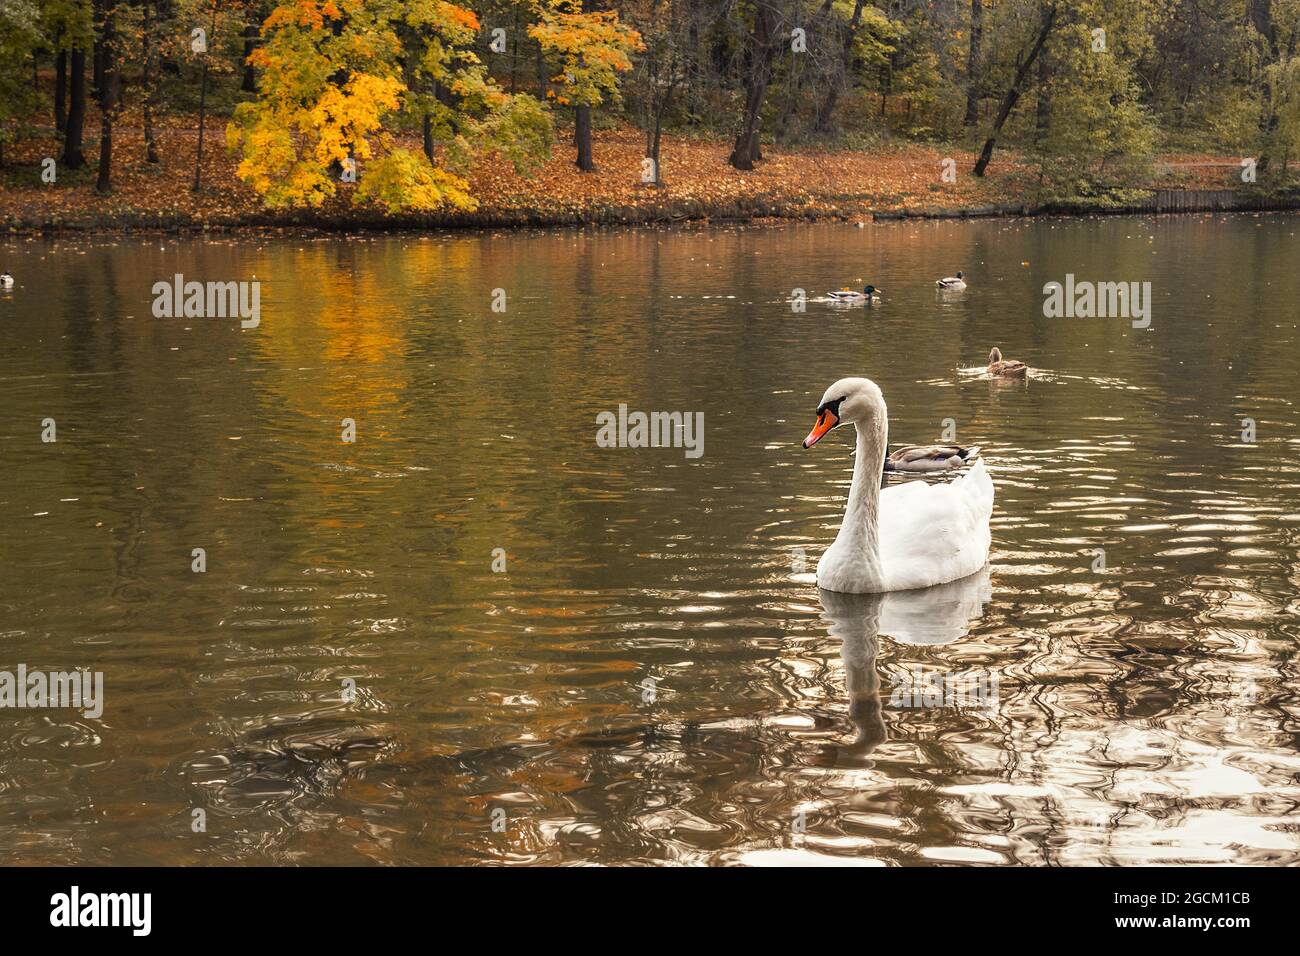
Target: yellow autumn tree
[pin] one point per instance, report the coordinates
(593, 48)
(334, 87)
(459, 106)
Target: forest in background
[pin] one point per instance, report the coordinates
(401, 106)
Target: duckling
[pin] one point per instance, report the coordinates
(930, 457)
(952, 283)
(1006, 368)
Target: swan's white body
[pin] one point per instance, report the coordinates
(951, 283)
(912, 535)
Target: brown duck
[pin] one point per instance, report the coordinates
(1006, 368)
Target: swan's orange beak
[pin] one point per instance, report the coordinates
(825, 422)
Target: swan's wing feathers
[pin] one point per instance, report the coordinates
(935, 533)
(977, 487)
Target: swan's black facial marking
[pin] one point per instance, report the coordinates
(834, 407)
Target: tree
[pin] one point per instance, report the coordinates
(973, 63)
(593, 48)
(73, 157)
(19, 37)
(662, 25)
(253, 14)
(1097, 135)
(149, 76)
(207, 16)
(867, 39)
(762, 48)
(1012, 95)
(68, 26)
(1274, 63)
(456, 101)
(109, 88)
(332, 77)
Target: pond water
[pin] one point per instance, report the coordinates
(474, 635)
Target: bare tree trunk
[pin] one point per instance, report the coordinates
(61, 91)
(514, 53)
(1261, 17)
(97, 70)
(149, 79)
(1013, 94)
(582, 136)
(762, 51)
(846, 55)
(973, 63)
(428, 136)
(1043, 108)
(886, 84)
(249, 84)
(73, 157)
(203, 105)
(109, 88)
(693, 63)
(654, 148)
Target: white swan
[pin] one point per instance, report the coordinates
(952, 283)
(912, 535)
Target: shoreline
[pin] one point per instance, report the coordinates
(761, 212)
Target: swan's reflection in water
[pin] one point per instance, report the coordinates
(929, 616)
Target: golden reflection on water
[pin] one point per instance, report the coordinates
(655, 676)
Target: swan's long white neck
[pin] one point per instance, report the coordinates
(860, 533)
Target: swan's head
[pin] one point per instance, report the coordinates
(853, 400)
(995, 355)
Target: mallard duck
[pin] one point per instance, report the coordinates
(6, 280)
(930, 457)
(952, 283)
(1006, 368)
(869, 294)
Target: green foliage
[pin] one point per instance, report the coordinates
(405, 180)
(20, 33)
(1099, 135)
(522, 131)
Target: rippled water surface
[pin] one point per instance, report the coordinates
(655, 677)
